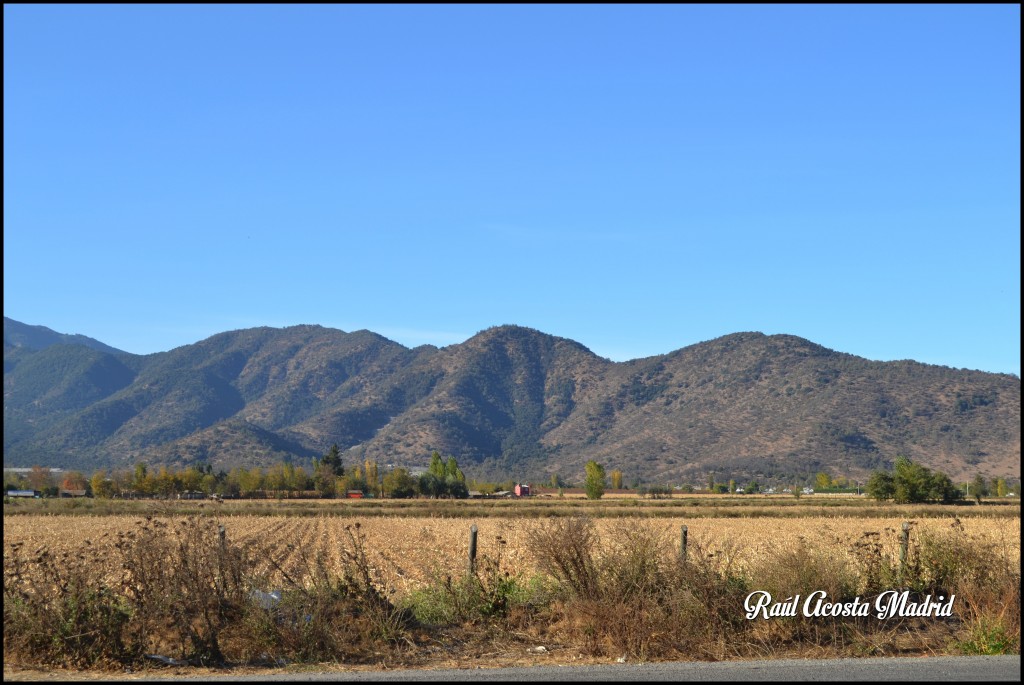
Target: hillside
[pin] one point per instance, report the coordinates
(17, 334)
(510, 402)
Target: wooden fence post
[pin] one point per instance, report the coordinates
(682, 542)
(472, 549)
(904, 544)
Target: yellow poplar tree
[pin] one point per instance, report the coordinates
(616, 478)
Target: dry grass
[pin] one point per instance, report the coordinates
(412, 552)
(355, 588)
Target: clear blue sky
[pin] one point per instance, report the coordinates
(636, 178)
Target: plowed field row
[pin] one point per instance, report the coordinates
(411, 552)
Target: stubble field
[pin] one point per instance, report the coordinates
(102, 584)
(409, 553)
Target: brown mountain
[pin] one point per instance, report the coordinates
(510, 402)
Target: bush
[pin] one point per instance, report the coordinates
(491, 591)
(182, 607)
(323, 616)
(985, 579)
(633, 595)
(57, 612)
(189, 593)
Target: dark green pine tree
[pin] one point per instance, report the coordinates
(332, 460)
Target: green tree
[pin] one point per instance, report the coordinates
(455, 487)
(208, 484)
(1001, 487)
(979, 488)
(822, 481)
(399, 484)
(659, 492)
(166, 483)
(911, 483)
(880, 486)
(454, 480)
(249, 481)
(437, 465)
(191, 478)
(431, 485)
(332, 460)
(102, 486)
(273, 480)
(452, 470)
(288, 479)
(15, 481)
(139, 483)
(910, 480)
(595, 480)
(325, 481)
(942, 489)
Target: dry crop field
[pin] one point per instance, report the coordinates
(411, 552)
(386, 581)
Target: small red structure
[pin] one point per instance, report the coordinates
(354, 494)
(522, 490)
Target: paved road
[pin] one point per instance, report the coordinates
(972, 668)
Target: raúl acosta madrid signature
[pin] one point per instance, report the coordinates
(888, 604)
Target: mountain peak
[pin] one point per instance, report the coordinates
(511, 401)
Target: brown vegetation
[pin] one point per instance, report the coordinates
(98, 591)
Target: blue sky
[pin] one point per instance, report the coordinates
(636, 178)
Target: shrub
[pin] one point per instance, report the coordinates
(185, 584)
(633, 595)
(189, 593)
(491, 591)
(324, 616)
(57, 612)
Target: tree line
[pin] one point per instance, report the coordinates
(908, 482)
(328, 477)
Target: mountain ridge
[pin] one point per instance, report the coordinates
(19, 334)
(510, 401)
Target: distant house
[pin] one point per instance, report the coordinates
(354, 494)
(522, 490)
(72, 493)
(21, 493)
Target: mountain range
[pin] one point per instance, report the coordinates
(510, 402)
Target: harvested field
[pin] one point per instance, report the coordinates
(411, 552)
